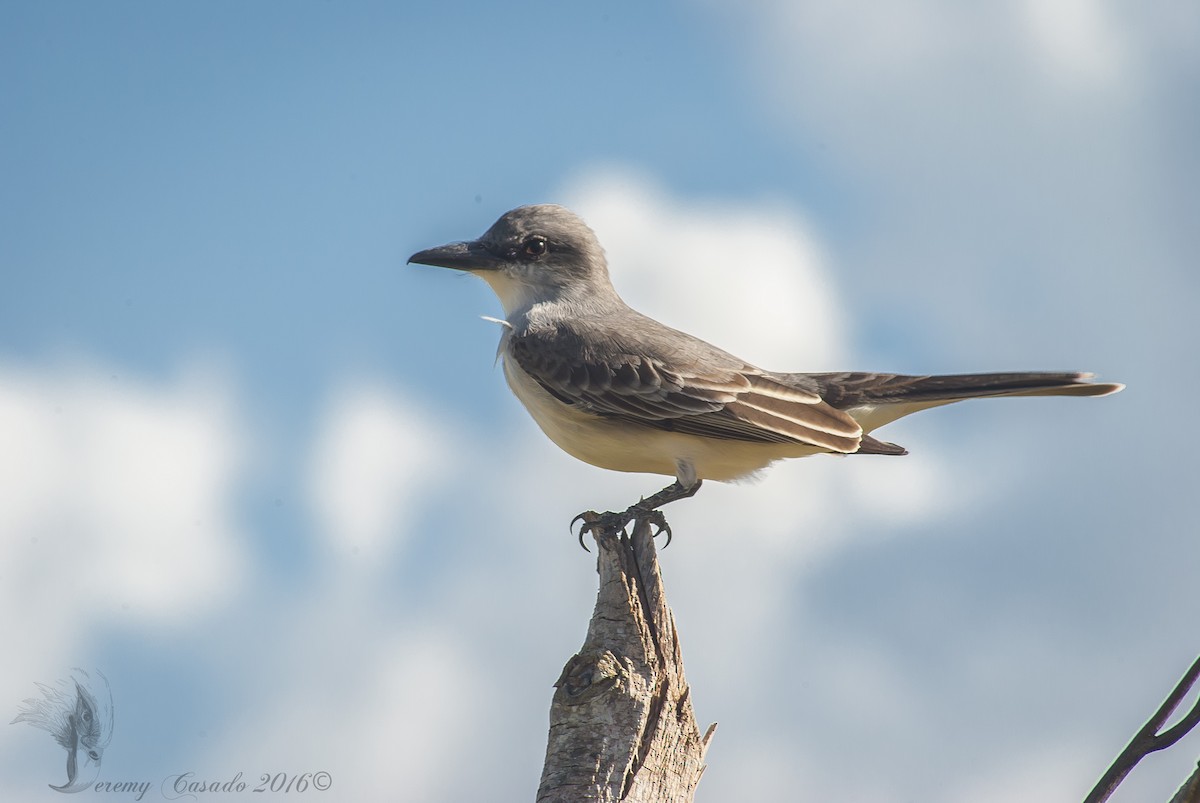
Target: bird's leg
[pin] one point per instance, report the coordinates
(686, 484)
(672, 493)
(647, 509)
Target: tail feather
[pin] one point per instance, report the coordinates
(847, 390)
(871, 445)
(874, 400)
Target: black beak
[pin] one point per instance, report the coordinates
(459, 256)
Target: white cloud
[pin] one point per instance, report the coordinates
(374, 456)
(710, 267)
(1079, 41)
(859, 61)
(118, 492)
(380, 707)
(1022, 167)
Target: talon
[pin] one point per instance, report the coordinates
(656, 518)
(660, 522)
(589, 518)
(666, 528)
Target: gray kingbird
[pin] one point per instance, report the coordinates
(622, 391)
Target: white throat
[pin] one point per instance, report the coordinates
(516, 297)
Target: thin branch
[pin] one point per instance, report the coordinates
(1149, 739)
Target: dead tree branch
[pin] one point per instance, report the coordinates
(1190, 791)
(621, 721)
(1151, 739)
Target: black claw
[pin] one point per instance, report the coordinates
(589, 519)
(656, 518)
(665, 528)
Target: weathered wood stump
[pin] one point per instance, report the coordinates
(621, 721)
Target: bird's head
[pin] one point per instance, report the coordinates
(93, 714)
(530, 255)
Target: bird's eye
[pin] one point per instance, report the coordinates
(535, 246)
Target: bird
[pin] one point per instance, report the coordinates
(622, 391)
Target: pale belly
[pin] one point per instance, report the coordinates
(623, 446)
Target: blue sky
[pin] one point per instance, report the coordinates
(265, 477)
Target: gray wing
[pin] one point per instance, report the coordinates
(682, 384)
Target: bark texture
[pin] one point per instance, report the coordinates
(621, 721)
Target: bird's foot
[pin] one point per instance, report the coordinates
(598, 523)
(611, 522)
(655, 518)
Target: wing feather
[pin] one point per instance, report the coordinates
(741, 403)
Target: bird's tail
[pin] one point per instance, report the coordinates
(846, 390)
(877, 399)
